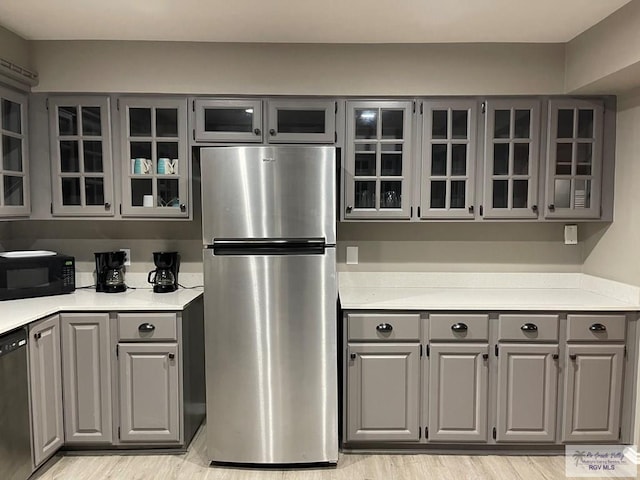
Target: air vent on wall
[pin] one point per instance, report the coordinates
(16, 72)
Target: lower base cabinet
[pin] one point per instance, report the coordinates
(457, 392)
(45, 374)
(149, 392)
(383, 392)
(593, 393)
(527, 393)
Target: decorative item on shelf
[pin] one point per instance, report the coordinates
(166, 166)
(141, 166)
(174, 202)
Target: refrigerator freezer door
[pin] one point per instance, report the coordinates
(271, 359)
(269, 192)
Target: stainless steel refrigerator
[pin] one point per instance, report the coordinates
(269, 231)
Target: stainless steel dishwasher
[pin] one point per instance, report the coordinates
(15, 430)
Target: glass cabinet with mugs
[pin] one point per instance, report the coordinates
(378, 159)
(81, 165)
(155, 157)
(14, 179)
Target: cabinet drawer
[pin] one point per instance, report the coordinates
(157, 327)
(542, 328)
(458, 327)
(596, 327)
(383, 327)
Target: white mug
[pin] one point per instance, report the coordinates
(147, 201)
(166, 166)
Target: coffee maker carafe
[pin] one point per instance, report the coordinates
(110, 272)
(165, 277)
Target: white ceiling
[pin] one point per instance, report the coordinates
(306, 21)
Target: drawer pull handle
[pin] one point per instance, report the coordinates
(146, 327)
(529, 327)
(459, 327)
(384, 328)
(598, 327)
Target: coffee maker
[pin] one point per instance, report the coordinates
(165, 276)
(110, 272)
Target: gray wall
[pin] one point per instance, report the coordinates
(297, 69)
(14, 48)
(612, 252)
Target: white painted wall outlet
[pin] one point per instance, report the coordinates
(127, 258)
(352, 255)
(571, 234)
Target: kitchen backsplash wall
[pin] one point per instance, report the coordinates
(499, 247)
(612, 251)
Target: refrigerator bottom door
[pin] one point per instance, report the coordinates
(271, 358)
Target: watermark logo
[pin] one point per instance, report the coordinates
(612, 461)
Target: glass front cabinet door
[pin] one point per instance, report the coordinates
(448, 159)
(238, 120)
(512, 136)
(378, 160)
(302, 121)
(155, 157)
(574, 151)
(14, 180)
(81, 165)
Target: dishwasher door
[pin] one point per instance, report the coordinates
(15, 429)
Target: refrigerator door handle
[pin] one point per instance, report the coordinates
(239, 242)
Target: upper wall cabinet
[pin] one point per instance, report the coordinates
(155, 166)
(448, 159)
(511, 158)
(378, 160)
(242, 120)
(14, 180)
(81, 165)
(301, 121)
(228, 120)
(574, 166)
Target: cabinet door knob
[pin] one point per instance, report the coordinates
(459, 327)
(172, 356)
(37, 336)
(146, 327)
(183, 207)
(470, 208)
(107, 205)
(352, 356)
(272, 132)
(552, 207)
(384, 328)
(529, 327)
(573, 357)
(256, 131)
(598, 327)
(349, 208)
(534, 208)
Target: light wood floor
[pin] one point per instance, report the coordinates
(193, 465)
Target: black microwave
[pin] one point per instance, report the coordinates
(26, 274)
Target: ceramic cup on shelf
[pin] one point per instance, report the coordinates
(141, 166)
(147, 201)
(166, 166)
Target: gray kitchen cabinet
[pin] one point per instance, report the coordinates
(155, 157)
(527, 392)
(14, 155)
(86, 365)
(45, 376)
(574, 158)
(448, 159)
(301, 121)
(149, 392)
(383, 382)
(592, 392)
(511, 158)
(457, 392)
(378, 160)
(81, 162)
(227, 120)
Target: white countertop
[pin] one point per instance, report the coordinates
(16, 313)
(484, 291)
